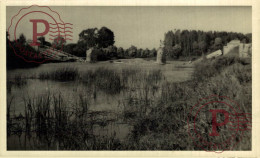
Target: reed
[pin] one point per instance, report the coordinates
(61, 74)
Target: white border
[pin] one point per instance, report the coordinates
(255, 71)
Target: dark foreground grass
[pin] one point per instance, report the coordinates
(61, 74)
(108, 80)
(103, 79)
(17, 81)
(60, 125)
(56, 125)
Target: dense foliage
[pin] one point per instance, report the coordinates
(184, 44)
(103, 42)
(194, 43)
(177, 43)
(12, 60)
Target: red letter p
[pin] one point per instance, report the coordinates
(35, 33)
(214, 120)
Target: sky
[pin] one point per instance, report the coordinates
(144, 27)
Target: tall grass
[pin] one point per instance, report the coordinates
(17, 81)
(61, 74)
(166, 115)
(57, 125)
(104, 79)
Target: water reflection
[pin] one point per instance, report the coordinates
(91, 117)
(104, 109)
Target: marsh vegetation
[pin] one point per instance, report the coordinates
(131, 108)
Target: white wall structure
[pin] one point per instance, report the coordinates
(245, 50)
(214, 54)
(161, 57)
(235, 47)
(89, 55)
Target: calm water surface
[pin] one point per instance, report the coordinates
(70, 90)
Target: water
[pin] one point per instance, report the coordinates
(108, 105)
(69, 90)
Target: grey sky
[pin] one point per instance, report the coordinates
(144, 27)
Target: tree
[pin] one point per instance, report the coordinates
(195, 47)
(202, 46)
(186, 44)
(145, 53)
(126, 54)
(218, 43)
(88, 38)
(12, 60)
(132, 51)
(111, 51)
(93, 37)
(22, 39)
(177, 36)
(249, 37)
(169, 39)
(139, 53)
(43, 41)
(194, 36)
(105, 38)
(176, 51)
(120, 52)
(153, 52)
(71, 48)
(58, 42)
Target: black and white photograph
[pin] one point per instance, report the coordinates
(128, 78)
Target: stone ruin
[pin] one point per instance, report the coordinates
(90, 55)
(245, 50)
(161, 56)
(235, 47)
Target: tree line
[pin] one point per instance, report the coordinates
(176, 44)
(102, 40)
(187, 43)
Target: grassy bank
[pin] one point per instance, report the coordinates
(161, 123)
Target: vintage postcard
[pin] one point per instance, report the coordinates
(129, 79)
